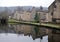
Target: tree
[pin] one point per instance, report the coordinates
(41, 8)
(4, 16)
(36, 18)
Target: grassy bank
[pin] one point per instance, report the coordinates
(37, 24)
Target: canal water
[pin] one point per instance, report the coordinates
(28, 33)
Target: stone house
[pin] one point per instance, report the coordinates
(29, 15)
(43, 16)
(24, 15)
(54, 11)
(51, 9)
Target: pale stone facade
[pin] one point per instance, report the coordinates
(57, 11)
(22, 16)
(29, 16)
(25, 15)
(51, 10)
(54, 11)
(43, 16)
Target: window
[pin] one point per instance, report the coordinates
(52, 13)
(55, 6)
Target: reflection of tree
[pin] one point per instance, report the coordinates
(53, 31)
(37, 35)
(3, 28)
(6, 29)
(36, 29)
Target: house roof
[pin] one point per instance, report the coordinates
(53, 3)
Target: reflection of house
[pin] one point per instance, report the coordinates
(54, 35)
(27, 30)
(54, 11)
(18, 29)
(39, 32)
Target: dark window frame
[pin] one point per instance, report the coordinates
(52, 13)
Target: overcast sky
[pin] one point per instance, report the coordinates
(37, 3)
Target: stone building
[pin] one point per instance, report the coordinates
(43, 16)
(29, 15)
(51, 10)
(54, 11)
(25, 15)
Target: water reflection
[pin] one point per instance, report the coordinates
(27, 33)
(34, 31)
(23, 33)
(54, 35)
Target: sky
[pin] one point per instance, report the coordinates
(36, 3)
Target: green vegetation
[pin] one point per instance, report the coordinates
(36, 18)
(36, 29)
(12, 21)
(32, 23)
(51, 25)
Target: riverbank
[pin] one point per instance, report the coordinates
(55, 26)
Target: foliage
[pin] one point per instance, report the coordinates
(36, 29)
(4, 14)
(11, 20)
(36, 18)
(41, 8)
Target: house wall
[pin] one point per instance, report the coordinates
(55, 9)
(25, 16)
(43, 16)
(57, 12)
(51, 10)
